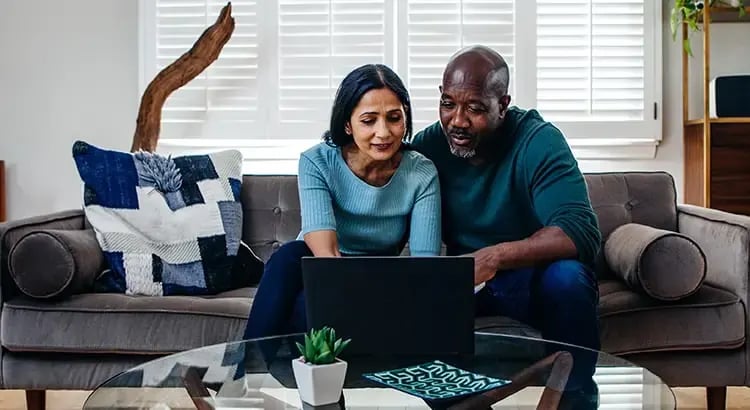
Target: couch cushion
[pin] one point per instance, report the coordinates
(72, 261)
(666, 265)
(633, 322)
(647, 198)
(166, 225)
(271, 212)
(115, 323)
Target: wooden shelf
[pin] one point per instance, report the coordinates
(716, 150)
(722, 14)
(724, 120)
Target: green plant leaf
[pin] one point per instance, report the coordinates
(325, 357)
(319, 342)
(309, 348)
(337, 347)
(688, 49)
(343, 346)
(321, 346)
(340, 346)
(331, 337)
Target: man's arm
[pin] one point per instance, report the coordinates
(561, 202)
(547, 244)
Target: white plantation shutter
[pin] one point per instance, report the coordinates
(593, 67)
(590, 60)
(621, 388)
(320, 41)
(223, 100)
(597, 66)
(435, 29)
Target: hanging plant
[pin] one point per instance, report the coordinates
(689, 12)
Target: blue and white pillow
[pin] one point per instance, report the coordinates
(167, 225)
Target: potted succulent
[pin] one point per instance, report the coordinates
(319, 372)
(689, 11)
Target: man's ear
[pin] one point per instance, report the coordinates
(504, 103)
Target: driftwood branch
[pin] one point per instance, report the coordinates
(204, 52)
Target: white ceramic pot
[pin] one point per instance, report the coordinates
(319, 384)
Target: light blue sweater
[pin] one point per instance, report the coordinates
(369, 219)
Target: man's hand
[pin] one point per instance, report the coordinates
(486, 263)
(546, 244)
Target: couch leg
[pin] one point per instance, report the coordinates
(35, 399)
(716, 398)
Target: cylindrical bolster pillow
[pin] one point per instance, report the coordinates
(666, 265)
(48, 263)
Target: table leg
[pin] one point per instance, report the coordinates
(560, 363)
(196, 389)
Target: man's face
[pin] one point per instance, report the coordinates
(469, 114)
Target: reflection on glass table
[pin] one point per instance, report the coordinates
(258, 374)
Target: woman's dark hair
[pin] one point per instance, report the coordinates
(353, 87)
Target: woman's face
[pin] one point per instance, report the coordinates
(378, 124)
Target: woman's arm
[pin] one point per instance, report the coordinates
(322, 243)
(318, 221)
(425, 230)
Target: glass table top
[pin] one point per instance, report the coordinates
(258, 374)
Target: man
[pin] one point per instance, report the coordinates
(515, 199)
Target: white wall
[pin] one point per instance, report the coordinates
(70, 71)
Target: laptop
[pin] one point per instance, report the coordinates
(393, 305)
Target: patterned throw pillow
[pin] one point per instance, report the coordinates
(167, 226)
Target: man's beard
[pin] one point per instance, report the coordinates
(464, 153)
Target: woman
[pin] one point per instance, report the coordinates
(361, 191)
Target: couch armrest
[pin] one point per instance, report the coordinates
(725, 239)
(12, 231)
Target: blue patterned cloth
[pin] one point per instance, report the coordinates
(167, 226)
(436, 380)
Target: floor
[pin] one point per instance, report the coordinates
(687, 398)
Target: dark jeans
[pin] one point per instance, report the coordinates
(279, 304)
(560, 299)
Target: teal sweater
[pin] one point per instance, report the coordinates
(533, 181)
(369, 219)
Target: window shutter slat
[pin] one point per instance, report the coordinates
(591, 60)
(223, 99)
(320, 41)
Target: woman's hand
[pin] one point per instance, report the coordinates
(323, 243)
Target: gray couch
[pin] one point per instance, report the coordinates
(77, 342)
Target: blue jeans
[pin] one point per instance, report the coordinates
(560, 299)
(279, 304)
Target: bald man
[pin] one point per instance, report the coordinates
(515, 199)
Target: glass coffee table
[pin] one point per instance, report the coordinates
(245, 375)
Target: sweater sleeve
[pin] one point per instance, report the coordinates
(315, 198)
(558, 191)
(425, 229)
